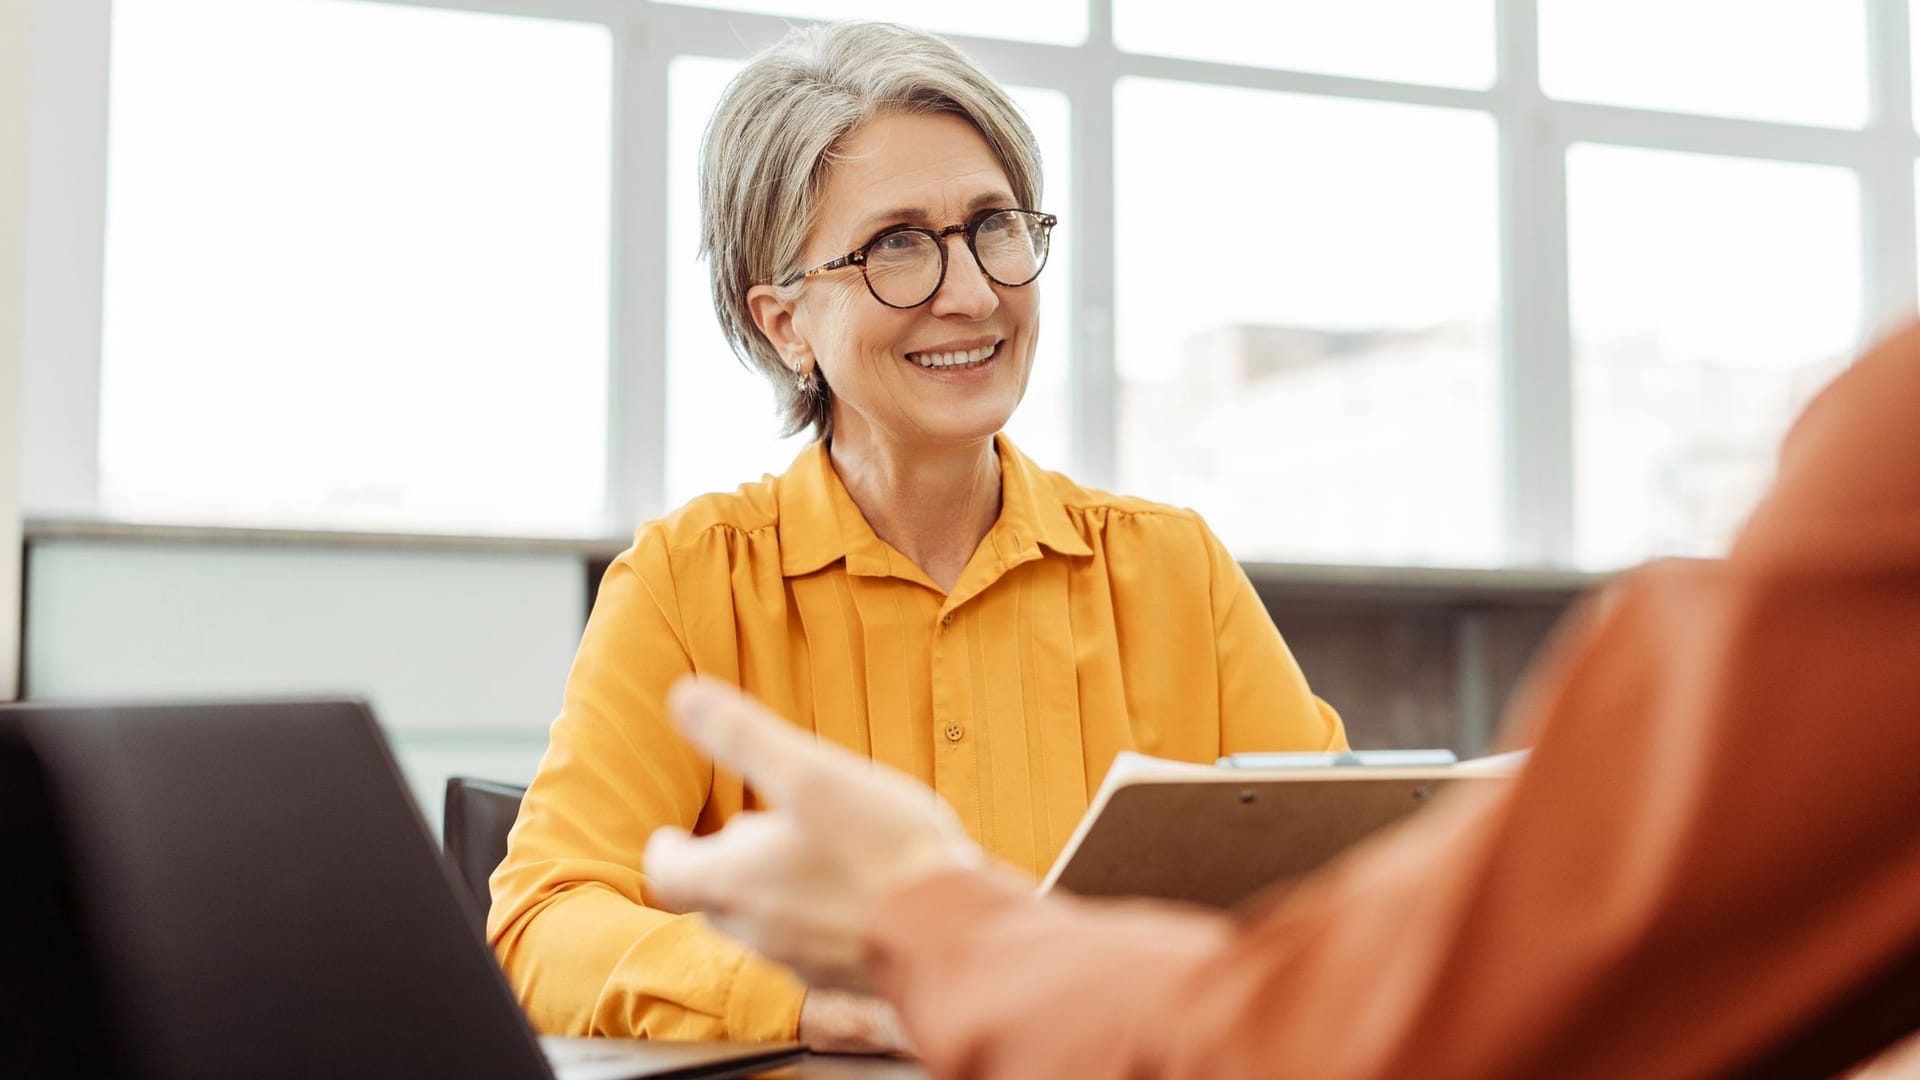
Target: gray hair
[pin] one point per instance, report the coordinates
(774, 137)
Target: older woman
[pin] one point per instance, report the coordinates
(912, 588)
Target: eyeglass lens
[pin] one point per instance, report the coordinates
(904, 269)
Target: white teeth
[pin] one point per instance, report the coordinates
(954, 359)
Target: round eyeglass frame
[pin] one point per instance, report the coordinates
(971, 227)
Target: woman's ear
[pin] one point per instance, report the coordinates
(774, 317)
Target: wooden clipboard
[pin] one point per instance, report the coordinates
(1219, 838)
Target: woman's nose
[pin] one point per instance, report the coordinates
(967, 290)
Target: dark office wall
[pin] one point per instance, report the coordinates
(1426, 665)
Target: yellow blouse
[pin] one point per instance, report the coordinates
(1085, 624)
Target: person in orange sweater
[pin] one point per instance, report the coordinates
(1709, 866)
(913, 588)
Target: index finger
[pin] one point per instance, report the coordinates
(745, 737)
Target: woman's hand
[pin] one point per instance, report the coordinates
(836, 1022)
(800, 882)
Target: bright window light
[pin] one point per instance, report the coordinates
(1795, 61)
(1056, 22)
(1307, 327)
(1441, 42)
(357, 267)
(1711, 298)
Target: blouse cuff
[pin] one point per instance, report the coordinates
(764, 1003)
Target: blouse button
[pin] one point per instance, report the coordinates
(947, 619)
(953, 732)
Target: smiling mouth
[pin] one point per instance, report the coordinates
(955, 361)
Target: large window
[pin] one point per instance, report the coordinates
(1798, 61)
(1054, 21)
(1408, 281)
(1445, 42)
(1689, 366)
(1307, 337)
(356, 266)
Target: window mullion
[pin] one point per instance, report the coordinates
(1887, 196)
(637, 360)
(1536, 342)
(1094, 381)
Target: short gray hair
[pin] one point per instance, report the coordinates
(774, 138)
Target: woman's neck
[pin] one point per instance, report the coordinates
(933, 505)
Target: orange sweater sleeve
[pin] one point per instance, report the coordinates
(570, 919)
(1709, 865)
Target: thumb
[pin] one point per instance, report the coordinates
(670, 865)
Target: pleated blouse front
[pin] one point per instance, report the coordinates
(1085, 624)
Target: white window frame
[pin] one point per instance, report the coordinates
(67, 152)
(13, 310)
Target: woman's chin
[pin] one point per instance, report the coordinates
(949, 420)
(967, 427)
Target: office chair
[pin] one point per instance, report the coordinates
(479, 813)
(54, 1007)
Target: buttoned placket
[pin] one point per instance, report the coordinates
(952, 729)
(981, 645)
(961, 773)
(955, 757)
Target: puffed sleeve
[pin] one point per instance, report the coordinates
(570, 919)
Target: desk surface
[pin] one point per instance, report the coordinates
(847, 1067)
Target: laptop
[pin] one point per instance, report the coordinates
(261, 898)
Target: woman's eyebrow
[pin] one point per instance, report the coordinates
(991, 199)
(874, 222)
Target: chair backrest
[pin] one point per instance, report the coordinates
(53, 1006)
(479, 814)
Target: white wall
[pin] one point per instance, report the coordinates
(462, 654)
(13, 317)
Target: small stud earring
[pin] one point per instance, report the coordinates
(804, 381)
